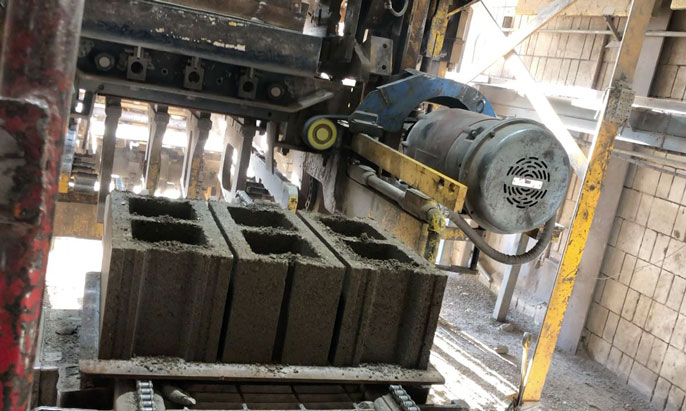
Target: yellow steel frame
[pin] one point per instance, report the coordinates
(613, 117)
(438, 186)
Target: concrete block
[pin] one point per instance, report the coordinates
(647, 245)
(630, 304)
(596, 319)
(661, 393)
(627, 270)
(165, 277)
(613, 360)
(644, 348)
(614, 295)
(630, 237)
(644, 208)
(661, 321)
(662, 216)
(676, 193)
(614, 233)
(376, 324)
(675, 260)
(612, 262)
(645, 278)
(610, 327)
(599, 289)
(627, 337)
(284, 291)
(664, 185)
(675, 399)
(628, 204)
(664, 286)
(625, 366)
(657, 354)
(642, 310)
(673, 367)
(598, 349)
(676, 293)
(660, 249)
(642, 379)
(679, 231)
(646, 180)
(679, 335)
(630, 175)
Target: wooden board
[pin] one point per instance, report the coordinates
(580, 8)
(678, 4)
(172, 368)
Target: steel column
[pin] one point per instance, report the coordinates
(39, 49)
(613, 117)
(507, 286)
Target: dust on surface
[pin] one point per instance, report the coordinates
(464, 352)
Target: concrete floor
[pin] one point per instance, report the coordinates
(463, 347)
(464, 353)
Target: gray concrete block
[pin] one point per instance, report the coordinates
(165, 277)
(376, 321)
(285, 287)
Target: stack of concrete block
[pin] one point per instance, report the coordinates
(234, 284)
(165, 278)
(285, 288)
(391, 297)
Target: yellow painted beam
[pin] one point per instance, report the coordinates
(438, 186)
(439, 24)
(614, 115)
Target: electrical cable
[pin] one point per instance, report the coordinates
(389, 6)
(480, 242)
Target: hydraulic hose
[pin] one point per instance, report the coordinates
(498, 256)
(389, 6)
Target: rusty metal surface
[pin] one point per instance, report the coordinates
(287, 14)
(410, 49)
(36, 73)
(213, 37)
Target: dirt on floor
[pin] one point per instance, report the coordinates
(465, 353)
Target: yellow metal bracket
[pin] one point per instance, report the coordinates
(438, 186)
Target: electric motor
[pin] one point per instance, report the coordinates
(515, 170)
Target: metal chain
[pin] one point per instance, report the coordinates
(403, 398)
(146, 395)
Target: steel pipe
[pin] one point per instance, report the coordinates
(37, 68)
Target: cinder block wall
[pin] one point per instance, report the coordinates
(636, 325)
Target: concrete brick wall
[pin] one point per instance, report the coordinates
(636, 325)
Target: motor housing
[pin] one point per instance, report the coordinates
(516, 172)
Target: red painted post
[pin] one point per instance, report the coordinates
(37, 67)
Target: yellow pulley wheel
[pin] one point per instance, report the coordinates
(321, 134)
